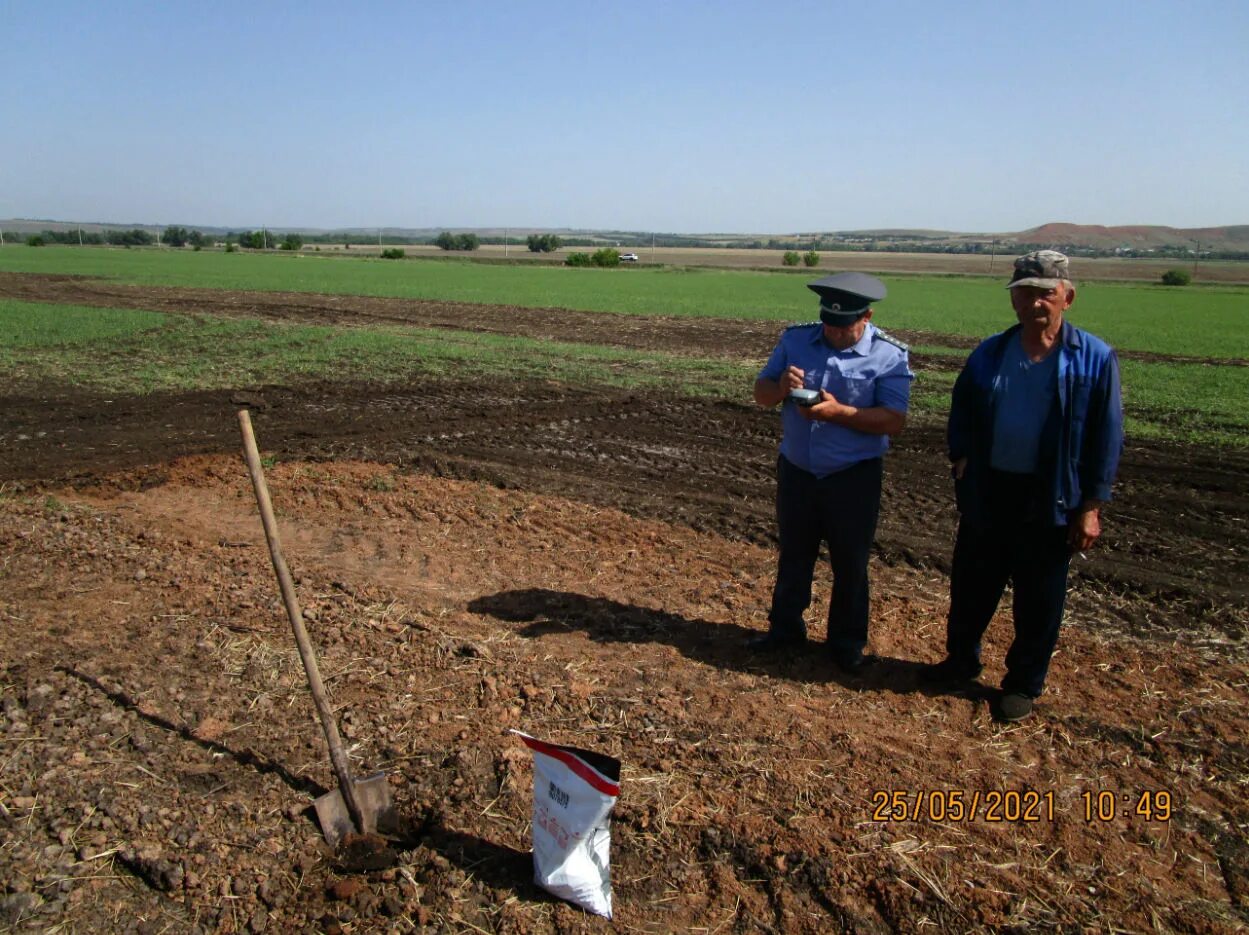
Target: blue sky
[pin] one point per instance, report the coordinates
(668, 116)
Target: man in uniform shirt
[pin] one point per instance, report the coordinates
(828, 473)
(1035, 433)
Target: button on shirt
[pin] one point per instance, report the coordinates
(872, 372)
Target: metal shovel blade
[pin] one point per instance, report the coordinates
(376, 810)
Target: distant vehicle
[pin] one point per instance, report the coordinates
(628, 258)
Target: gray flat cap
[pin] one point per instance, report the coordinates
(1044, 269)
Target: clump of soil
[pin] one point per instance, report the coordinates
(361, 853)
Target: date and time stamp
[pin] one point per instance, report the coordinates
(1017, 806)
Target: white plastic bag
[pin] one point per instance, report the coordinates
(573, 794)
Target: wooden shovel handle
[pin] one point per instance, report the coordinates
(338, 755)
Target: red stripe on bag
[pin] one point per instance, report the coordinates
(574, 763)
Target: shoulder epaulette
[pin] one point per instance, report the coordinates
(801, 324)
(890, 339)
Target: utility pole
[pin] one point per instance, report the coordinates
(992, 254)
(505, 233)
(80, 236)
(652, 246)
(1196, 257)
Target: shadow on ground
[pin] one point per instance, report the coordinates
(546, 612)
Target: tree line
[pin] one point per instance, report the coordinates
(537, 243)
(136, 237)
(172, 236)
(264, 239)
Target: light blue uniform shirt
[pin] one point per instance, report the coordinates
(873, 372)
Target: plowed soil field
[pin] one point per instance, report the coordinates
(584, 565)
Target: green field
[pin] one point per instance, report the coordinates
(1201, 322)
(122, 350)
(128, 351)
(119, 350)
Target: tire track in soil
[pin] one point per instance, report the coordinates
(1175, 553)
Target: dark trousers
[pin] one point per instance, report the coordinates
(1034, 557)
(841, 510)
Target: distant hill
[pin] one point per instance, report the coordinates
(1137, 236)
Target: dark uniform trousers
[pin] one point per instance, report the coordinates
(1015, 545)
(840, 509)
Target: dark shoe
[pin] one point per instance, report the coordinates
(949, 672)
(851, 663)
(1015, 707)
(775, 642)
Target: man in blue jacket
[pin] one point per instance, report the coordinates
(1035, 433)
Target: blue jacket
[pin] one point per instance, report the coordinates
(1082, 437)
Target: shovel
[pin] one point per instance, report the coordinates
(355, 806)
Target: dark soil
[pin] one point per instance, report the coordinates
(583, 565)
(1175, 553)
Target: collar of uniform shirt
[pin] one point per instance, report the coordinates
(862, 347)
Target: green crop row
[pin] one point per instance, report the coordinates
(1197, 322)
(127, 351)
